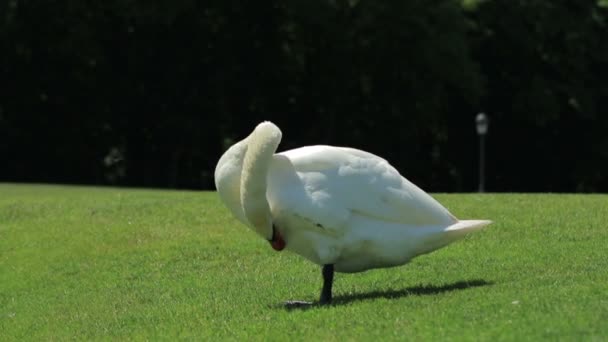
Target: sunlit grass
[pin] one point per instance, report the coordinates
(93, 263)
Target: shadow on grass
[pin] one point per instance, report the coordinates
(421, 290)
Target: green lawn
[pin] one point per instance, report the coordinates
(102, 263)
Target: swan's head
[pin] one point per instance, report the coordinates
(240, 179)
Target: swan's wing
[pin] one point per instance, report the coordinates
(329, 184)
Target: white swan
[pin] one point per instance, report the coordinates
(342, 208)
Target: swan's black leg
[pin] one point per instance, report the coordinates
(328, 280)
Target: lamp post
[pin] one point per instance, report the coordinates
(482, 122)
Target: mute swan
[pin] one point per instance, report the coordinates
(342, 208)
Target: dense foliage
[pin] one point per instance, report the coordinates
(146, 93)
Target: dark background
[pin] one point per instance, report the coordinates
(150, 93)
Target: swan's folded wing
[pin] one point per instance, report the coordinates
(340, 182)
(300, 197)
(375, 189)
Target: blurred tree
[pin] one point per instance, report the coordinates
(160, 82)
(382, 76)
(545, 62)
(150, 93)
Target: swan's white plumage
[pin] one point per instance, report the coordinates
(335, 205)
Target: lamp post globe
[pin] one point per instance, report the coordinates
(482, 123)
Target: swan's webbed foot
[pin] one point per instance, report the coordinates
(298, 304)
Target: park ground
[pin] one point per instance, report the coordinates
(90, 263)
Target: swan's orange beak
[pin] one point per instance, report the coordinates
(277, 242)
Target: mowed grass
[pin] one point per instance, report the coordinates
(90, 263)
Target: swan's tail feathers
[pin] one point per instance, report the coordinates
(466, 226)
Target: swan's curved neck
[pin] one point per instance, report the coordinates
(261, 146)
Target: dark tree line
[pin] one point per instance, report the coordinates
(144, 93)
